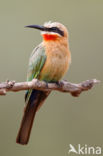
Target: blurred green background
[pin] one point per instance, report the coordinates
(63, 119)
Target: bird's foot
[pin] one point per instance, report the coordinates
(59, 84)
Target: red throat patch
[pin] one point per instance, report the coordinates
(48, 37)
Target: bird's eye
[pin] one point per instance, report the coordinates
(54, 28)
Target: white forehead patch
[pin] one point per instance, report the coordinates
(47, 23)
(51, 24)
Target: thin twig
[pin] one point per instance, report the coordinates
(62, 86)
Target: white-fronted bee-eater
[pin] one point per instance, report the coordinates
(48, 62)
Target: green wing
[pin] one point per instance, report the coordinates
(36, 62)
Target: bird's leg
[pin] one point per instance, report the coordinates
(46, 84)
(59, 84)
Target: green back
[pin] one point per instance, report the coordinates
(36, 62)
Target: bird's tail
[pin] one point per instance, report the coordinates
(35, 101)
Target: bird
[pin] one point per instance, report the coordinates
(48, 62)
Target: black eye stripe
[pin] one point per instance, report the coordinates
(55, 29)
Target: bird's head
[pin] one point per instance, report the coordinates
(52, 31)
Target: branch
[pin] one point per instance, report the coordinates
(62, 86)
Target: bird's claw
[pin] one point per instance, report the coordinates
(59, 83)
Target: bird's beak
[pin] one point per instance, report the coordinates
(42, 28)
